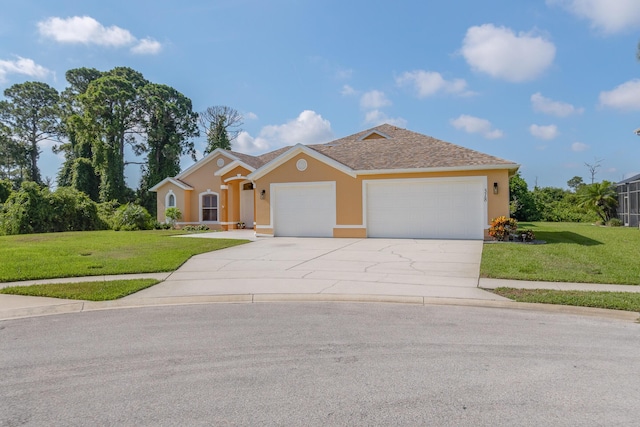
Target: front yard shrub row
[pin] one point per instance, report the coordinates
(33, 209)
(505, 229)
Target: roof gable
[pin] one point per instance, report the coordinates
(171, 181)
(293, 151)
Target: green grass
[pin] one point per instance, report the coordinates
(628, 301)
(574, 253)
(94, 253)
(89, 291)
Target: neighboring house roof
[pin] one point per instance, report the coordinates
(628, 180)
(381, 149)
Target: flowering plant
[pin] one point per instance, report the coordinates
(502, 227)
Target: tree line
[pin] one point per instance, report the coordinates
(582, 202)
(94, 121)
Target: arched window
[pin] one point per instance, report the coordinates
(170, 201)
(209, 207)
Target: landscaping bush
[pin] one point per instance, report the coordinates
(615, 222)
(172, 215)
(5, 190)
(131, 217)
(157, 225)
(200, 227)
(502, 227)
(72, 210)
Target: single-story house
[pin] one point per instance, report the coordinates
(381, 182)
(629, 201)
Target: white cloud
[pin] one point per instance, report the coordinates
(608, 16)
(377, 117)
(427, 83)
(86, 30)
(472, 124)
(544, 132)
(374, 99)
(22, 66)
(308, 128)
(502, 54)
(555, 108)
(147, 46)
(251, 116)
(348, 91)
(623, 97)
(579, 146)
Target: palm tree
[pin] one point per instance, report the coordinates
(601, 197)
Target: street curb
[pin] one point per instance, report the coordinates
(88, 306)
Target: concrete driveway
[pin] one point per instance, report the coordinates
(401, 267)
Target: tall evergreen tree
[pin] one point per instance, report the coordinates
(31, 113)
(168, 124)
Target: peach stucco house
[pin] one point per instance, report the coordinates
(381, 182)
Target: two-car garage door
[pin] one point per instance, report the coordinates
(426, 208)
(436, 208)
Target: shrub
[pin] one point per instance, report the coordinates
(200, 227)
(157, 225)
(614, 222)
(72, 210)
(526, 235)
(5, 190)
(502, 227)
(131, 217)
(173, 215)
(25, 211)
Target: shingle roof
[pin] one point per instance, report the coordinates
(399, 149)
(403, 149)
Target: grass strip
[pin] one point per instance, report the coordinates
(96, 253)
(627, 301)
(88, 291)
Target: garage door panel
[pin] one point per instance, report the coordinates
(305, 210)
(425, 209)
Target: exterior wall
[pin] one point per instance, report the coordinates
(183, 201)
(349, 200)
(234, 179)
(203, 179)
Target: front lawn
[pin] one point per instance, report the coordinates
(95, 253)
(573, 253)
(89, 291)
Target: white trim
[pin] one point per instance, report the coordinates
(377, 132)
(350, 226)
(480, 179)
(224, 187)
(227, 223)
(293, 151)
(172, 181)
(234, 164)
(206, 159)
(440, 169)
(200, 206)
(331, 184)
(166, 200)
(235, 178)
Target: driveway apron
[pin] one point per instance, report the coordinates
(402, 267)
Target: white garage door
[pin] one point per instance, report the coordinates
(304, 210)
(426, 208)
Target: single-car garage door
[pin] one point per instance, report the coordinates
(304, 209)
(426, 208)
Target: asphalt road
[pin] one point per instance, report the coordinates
(319, 364)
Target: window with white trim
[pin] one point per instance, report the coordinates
(210, 207)
(171, 201)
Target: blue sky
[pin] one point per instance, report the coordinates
(548, 84)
